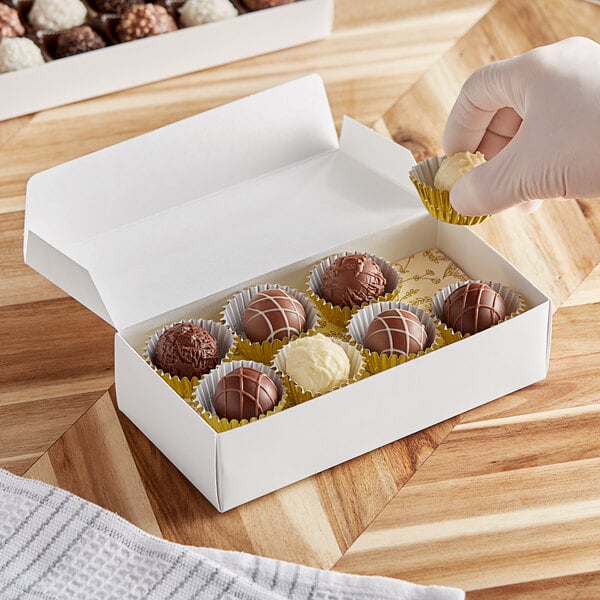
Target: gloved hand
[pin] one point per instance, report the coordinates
(536, 118)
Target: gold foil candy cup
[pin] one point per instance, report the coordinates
(233, 317)
(202, 399)
(360, 321)
(437, 202)
(513, 303)
(296, 393)
(226, 341)
(340, 315)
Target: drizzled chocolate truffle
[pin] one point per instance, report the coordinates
(77, 40)
(186, 350)
(273, 315)
(260, 4)
(352, 280)
(144, 20)
(10, 24)
(115, 7)
(473, 307)
(396, 332)
(245, 393)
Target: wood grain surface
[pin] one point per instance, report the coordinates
(503, 501)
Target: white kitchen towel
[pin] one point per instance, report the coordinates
(54, 545)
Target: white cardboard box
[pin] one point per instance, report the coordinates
(159, 57)
(257, 191)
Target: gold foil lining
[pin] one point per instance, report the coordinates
(437, 202)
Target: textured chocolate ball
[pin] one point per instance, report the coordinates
(273, 315)
(56, 15)
(396, 332)
(186, 350)
(245, 393)
(115, 7)
(77, 40)
(260, 4)
(10, 24)
(473, 307)
(144, 20)
(352, 280)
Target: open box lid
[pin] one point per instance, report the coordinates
(204, 204)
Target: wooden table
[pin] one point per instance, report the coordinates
(503, 501)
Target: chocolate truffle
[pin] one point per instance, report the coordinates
(56, 15)
(352, 280)
(115, 7)
(317, 363)
(144, 20)
(186, 350)
(245, 393)
(10, 24)
(473, 307)
(198, 12)
(260, 4)
(19, 53)
(454, 167)
(77, 40)
(396, 332)
(273, 315)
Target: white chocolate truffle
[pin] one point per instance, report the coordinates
(56, 15)
(19, 53)
(198, 12)
(317, 363)
(454, 167)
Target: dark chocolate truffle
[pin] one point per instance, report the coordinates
(77, 40)
(273, 315)
(144, 20)
(396, 332)
(260, 4)
(115, 7)
(186, 350)
(473, 307)
(10, 24)
(352, 280)
(245, 393)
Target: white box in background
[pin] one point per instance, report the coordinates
(159, 57)
(257, 191)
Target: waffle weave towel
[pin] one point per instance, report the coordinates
(54, 545)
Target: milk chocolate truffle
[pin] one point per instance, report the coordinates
(10, 24)
(473, 307)
(115, 7)
(19, 53)
(245, 393)
(186, 350)
(352, 280)
(77, 40)
(260, 4)
(198, 12)
(144, 20)
(56, 15)
(396, 332)
(317, 363)
(454, 167)
(273, 315)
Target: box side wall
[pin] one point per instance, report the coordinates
(163, 56)
(166, 419)
(382, 408)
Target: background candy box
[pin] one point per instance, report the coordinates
(271, 191)
(159, 57)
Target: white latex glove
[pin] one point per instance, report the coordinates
(536, 118)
